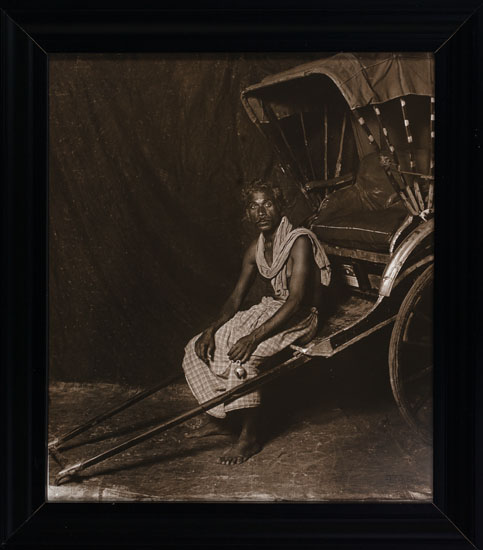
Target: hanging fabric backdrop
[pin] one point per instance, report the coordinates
(147, 157)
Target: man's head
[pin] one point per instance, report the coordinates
(263, 204)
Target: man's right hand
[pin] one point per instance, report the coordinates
(205, 346)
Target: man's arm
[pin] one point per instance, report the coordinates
(301, 255)
(205, 345)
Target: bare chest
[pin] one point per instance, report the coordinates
(268, 253)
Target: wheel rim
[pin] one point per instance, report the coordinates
(411, 356)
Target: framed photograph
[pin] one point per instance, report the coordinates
(175, 195)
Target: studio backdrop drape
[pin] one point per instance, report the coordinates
(147, 157)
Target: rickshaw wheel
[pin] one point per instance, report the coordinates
(411, 357)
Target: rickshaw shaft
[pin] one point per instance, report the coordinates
(59, 441)
(225, 398)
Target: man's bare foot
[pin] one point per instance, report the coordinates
(209, 428)
(240, 452)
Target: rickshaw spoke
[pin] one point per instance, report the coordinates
(417, 343)
(428, 319)
(419, 375)
(420, 402)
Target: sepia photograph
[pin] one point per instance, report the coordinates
(241, 265)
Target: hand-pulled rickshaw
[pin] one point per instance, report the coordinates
(355, 132)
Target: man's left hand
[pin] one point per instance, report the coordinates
(243, 349)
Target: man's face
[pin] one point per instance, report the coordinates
(263, 211)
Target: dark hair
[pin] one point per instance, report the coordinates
(262, 186)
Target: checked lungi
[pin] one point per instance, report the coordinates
(207, 382)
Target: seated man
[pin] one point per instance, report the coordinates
(232, 348)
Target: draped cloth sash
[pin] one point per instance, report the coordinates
(283, 241)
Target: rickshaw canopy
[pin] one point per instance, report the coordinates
(363, 79)
(388, 101)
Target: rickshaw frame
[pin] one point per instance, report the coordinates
(358, 79)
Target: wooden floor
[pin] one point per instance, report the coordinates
(331, 431)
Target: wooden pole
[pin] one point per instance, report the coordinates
(227, 397)
(307, 150)
(276, 124)
(95, 420)
(338, 164)
(294, 167)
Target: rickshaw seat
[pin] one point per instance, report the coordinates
(363, 230)
(365, 215)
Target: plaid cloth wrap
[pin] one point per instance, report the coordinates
(209, 382)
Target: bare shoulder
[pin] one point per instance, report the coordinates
(302, 247)
(251, 252)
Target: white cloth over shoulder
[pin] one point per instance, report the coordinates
(282, 245)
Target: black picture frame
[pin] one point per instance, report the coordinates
(29, 33)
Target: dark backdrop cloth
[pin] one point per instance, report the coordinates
(147, 157)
